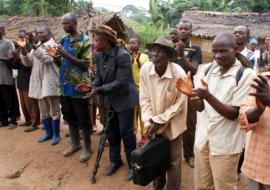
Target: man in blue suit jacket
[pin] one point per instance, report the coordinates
(115, 81)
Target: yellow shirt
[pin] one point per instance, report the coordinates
(136, 69)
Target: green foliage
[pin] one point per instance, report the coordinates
(40, 7)
(167, 13)
(149, 32)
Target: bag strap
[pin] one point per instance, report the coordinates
(239, 73)
(208, 69)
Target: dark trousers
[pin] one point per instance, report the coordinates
(25, 105)
(29, 107)
(16, 101)
(189, 134)
(120, 127)
(3, 110)
(75, 111)
(8, 97)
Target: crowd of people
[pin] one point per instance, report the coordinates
(144, 94)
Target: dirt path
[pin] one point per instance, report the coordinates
(49, 170)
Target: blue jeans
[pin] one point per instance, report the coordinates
(120, 127)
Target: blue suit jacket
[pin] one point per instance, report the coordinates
(114, 75)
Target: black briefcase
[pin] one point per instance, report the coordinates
(151, 160)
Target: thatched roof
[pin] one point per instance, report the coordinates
(209, 24)
(14, 24)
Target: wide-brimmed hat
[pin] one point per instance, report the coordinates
(105, 30)
(163, 42)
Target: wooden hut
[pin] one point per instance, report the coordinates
(206, 25)
(14, 24)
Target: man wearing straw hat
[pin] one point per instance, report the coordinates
(115, 81)
(164, 109)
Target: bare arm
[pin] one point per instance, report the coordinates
(191, 66)
(228, 111)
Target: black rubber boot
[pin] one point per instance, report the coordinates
(85, 155)
(75, 141)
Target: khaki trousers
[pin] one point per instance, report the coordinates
(215, 172)
(50, 107)
(174, 173)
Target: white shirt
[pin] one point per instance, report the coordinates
(44, 80)
(250, 55)
(223, 135)
(161, 101)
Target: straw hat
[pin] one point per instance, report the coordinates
(105, 30)
(165, 43)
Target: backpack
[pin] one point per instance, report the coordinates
(239, 73)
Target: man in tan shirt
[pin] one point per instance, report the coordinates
(224, 85)
(163, 107)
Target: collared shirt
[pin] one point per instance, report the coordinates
(136, 67)
(70, 74)
(44, 74)
(250, 55)
(161, 102)
(257, 158)
(6, 76)
(224, 136)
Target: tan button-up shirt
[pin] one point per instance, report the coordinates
(223, 135)
(161, 101)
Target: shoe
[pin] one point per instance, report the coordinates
(27, 123)
(130, 174)
(56, 131)
(12, 126)
(75, 141)
(113, 167)
(30, 128)
(86, 152)
(47, 123)
(190, 161)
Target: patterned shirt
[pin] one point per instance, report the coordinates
(257, 158)
(70, 74)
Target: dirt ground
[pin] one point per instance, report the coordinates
(48, 169)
